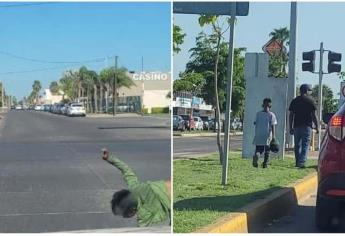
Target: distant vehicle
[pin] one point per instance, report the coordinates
(214, 125)
(125, 107)
(189, 122)
(63, 109)
(76, 109)
(331, 173)
(206, 121)
(46, 107)
(19, 107)
(38, 108)
(13, 107)
(198, 123)
(178, 123)
(236, 124)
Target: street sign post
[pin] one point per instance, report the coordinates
(220, 8)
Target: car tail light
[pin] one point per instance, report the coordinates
(337, 127)
(336, 192)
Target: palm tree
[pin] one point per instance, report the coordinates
(36, 88)
(282, 35)
(107, 77)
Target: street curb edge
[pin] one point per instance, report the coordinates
(263, 210)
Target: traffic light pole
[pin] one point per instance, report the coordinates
(320, 95)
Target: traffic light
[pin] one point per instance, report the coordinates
(310, 65)
(334, 57)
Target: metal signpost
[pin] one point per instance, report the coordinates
(292, 63)
(220, 8)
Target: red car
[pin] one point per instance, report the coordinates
(330, 203)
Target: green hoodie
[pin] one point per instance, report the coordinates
(153, 198)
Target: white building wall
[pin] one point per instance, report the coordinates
(258, 87)
(156, 98)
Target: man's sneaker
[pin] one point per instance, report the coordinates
(264, 165)
(301, 166)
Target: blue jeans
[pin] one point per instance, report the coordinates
(302, 136)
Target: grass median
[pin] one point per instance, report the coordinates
(199, 198)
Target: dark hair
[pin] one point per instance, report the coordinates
(266, 100)
(124, 203)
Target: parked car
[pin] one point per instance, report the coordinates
(46, 107)
(19, 107)
(63, 109)
(198, 123)
(38, 108)
(76, 109)
(330, 198)
(206, 121)
(214, 124)
(178, 123)
(189, 122)
(236, 124)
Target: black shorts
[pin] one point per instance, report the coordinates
(262, 149)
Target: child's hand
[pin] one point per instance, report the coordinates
(105, 154)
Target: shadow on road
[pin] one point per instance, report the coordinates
(136, 127)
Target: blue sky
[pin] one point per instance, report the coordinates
(316, 22)
(79, 32)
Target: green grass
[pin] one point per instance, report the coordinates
(199, 197)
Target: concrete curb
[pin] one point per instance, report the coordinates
(154, 229)
(263, 210)
(203, 134)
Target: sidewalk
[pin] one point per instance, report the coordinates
(202, 134)
(120, 115)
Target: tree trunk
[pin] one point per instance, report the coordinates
(219, 140)
(101, 98)
(107, 98)
(95, 97)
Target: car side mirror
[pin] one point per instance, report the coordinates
(327, 117)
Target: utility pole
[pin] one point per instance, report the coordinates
(320, 95)
(2, 94)
(142, 63)
(292, 64)
(228, 96)
(115, 88)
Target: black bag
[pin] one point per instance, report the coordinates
(274, 146)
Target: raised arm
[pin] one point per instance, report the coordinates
(128, 174)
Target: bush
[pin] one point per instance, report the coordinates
(145, 110)
(159, 110)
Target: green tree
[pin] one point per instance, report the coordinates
(190, 82)
(178, 38)
(329, 104)
(54, 87)
(36, 88)
(107, 76)
(278, 61)
(209, 58)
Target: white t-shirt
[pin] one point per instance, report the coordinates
(263, 127)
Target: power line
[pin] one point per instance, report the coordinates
(25, 4)
(50, 62)
(38, 70)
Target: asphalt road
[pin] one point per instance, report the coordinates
(53, 179)
(194, 146)
(300, 219)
